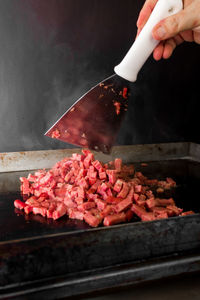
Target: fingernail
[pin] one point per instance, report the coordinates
(160, 32)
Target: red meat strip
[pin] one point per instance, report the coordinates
(126, 203)
(19, 204)
(136, 197)
(28, 209)
(123, 205)
(25, 186)
(75, 214)
(113, 200)
(187, 213)
(164, 202)
(40, 210)
(130, 194)
(31, 201)
(118, 185)
(114, 219)
(88, 160)
(162, 215)
(142, 213)
(102, 174)
(158, 209)
(171, 182)
(148, 216)
(124, 191)
(129, 215)
(94, 187)
(93, 221)
(139, 211)
(173, 210)
(138, 188)
(101, 205)
(108, 210)
(149, 194)
(141, 177)
(112, 176)
(86, 206)
(118, 164)
(97, 165)
(59, 212)
(150, 203)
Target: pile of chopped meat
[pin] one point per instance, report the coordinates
(86, 189)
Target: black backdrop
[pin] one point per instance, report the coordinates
(53, 51)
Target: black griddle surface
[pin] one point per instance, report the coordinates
(15, 225)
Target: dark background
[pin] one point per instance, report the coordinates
(53, 51)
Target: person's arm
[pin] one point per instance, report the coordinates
(174, 30)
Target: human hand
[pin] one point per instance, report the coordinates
(174, 30)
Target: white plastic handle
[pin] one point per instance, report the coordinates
(145, 43)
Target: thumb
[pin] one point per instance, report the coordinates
(186, 19)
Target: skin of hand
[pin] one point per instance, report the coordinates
(174, 30)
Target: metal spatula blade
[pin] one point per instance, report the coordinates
(94, 120)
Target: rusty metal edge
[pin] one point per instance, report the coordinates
(32, 160)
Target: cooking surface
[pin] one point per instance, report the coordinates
(14, 224)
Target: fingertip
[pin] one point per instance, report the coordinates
(156, 56)
(167, 52)
(158, 52)
(169, 47)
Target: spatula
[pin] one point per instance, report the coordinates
(94, 120)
